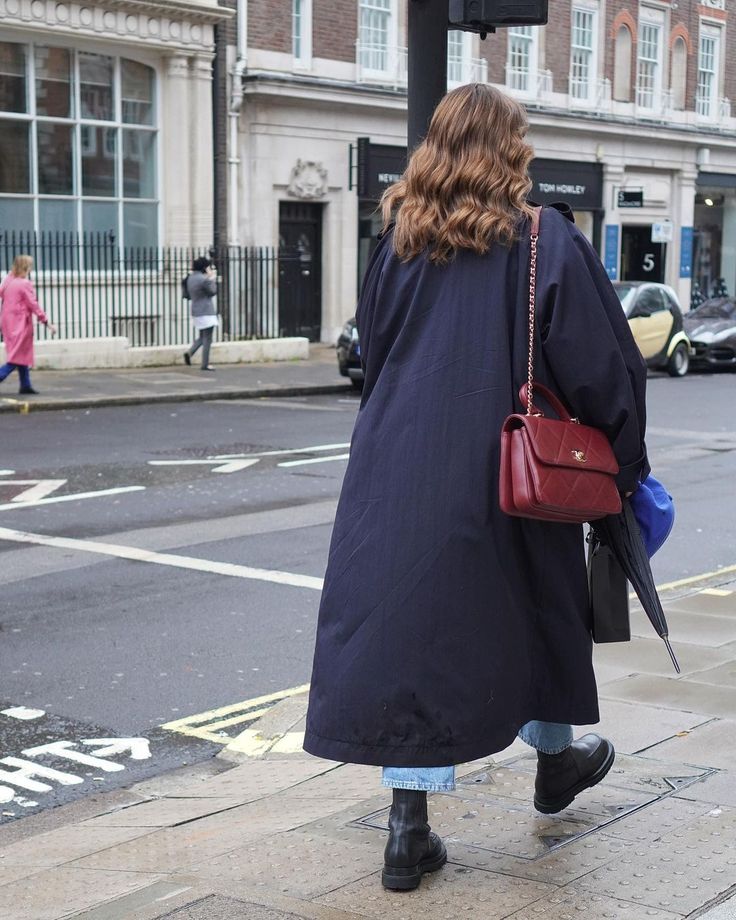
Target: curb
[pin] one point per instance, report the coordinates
(97, 402)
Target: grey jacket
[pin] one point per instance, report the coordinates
(202, 291)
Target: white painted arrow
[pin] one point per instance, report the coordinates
(232, 466)
(138, 748)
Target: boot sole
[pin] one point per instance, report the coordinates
(554, 806)
(407, 879)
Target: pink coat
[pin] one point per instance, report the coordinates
(16, 319)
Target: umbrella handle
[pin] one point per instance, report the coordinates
(672, 654)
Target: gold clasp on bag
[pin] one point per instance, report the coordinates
(579, 456)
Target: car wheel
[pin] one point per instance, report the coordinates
(679, 361)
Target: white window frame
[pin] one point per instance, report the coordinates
(523, 81)
(650, 99)
(301, 33)
(590, 88)
(370, 54)
(459, 69)
(707, 105)
(77, 121)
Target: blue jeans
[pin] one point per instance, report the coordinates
(24, 372)
(548, 737)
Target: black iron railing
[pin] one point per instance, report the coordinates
(90, 287)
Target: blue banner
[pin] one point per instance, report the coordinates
(610, 254)
(686, 252)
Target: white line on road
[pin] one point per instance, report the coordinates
(135, 554)
(15, 506)
(314, 460)
(39, 488)
(231, 466)
(283, 453)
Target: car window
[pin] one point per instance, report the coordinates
(626, 294)
(651, 300)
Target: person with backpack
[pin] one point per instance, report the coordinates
(200, 288)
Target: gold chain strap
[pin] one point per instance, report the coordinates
(532, 316)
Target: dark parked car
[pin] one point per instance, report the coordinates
(712, 331)
(348, 354)
(655, 319)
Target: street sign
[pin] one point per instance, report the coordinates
(663, 231)
(630, 198)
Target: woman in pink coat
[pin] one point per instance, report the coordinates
(16, 321)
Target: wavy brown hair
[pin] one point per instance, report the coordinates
(466, 184)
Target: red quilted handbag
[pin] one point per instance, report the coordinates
(553, 469)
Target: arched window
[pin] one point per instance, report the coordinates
(679, 73)
(622, 65)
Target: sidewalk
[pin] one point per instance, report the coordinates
(75, 389)
(266, 832)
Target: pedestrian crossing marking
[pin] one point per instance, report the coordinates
(208, 726)
(716, 592)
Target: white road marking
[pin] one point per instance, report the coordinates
(25, 771)
(232, 466)
(6, 472)
(76, 496)
(314, 460)
(65, 750)
(181, 562)
(22, 712)
(139, 747)
(318, 448)
(40, 488)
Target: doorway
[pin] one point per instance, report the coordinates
(300, 269)
(641, 259)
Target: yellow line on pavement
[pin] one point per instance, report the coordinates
(694, 579)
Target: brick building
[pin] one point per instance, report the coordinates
(630, 119)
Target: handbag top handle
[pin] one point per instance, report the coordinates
(536, 219)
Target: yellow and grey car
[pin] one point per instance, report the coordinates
(655, 319)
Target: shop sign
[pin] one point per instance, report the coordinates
(629, 198)
(686, 252)
(379, 165)
(610, 253)
(578, 184)
(663, 231)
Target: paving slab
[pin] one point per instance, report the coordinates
(61, 892)
(669, 693)
(167, 812)
(573, 904)
(724, 911)
(64, 845)
(713, 741)
(690, 627)
(649, 656)
(214, 907)
(717, 602)
(634, 727)
(717, 788)
(722, 675)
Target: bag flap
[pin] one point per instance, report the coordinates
(568, 444)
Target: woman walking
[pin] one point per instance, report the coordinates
(201, 285)
(446, 627)
(18, 305)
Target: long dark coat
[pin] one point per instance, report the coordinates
(445, 625)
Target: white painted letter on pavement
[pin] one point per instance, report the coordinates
(64, 749)
(23, 776)
(138, 748)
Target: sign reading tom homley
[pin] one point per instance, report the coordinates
(379, 165)
(578, 184)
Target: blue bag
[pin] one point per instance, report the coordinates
(654, 511)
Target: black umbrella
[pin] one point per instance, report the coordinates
(620, 532)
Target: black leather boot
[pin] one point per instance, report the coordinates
(560, 777)
(412, 849)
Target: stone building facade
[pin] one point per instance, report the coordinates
(630, 114)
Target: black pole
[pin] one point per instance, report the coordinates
(427, 64)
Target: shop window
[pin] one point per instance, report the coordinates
(679, 74)
(521, 64)
(649, 66)
(709, 53)
(583, 53)
(81, 166)
(622, 65)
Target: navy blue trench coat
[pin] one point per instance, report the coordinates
(445, 625)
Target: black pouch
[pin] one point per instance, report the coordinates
(609, 594)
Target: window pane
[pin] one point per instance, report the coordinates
(16, 216)
(54, 82)
(140, 225)
(57, 216)
(15, 173)
(137, 83)
(139, 164)
(95, 78)
(99, 146)
(100, 217)
(296, 28)
(55, 159)
(12, 77)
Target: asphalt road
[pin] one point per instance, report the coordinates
(176, 584)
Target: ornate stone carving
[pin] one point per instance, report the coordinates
(308, 180)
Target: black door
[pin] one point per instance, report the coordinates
(641, 259)
(300, 269)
